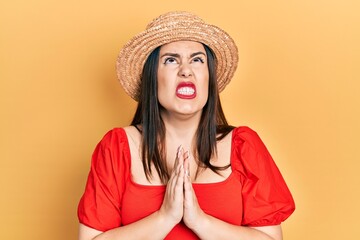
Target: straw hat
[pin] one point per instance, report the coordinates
(171, 27)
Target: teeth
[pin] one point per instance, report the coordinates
(186, 91)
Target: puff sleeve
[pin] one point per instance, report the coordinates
(266, 197)
(100, 205)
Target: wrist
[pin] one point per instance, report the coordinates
(165, 220)
(201, 224)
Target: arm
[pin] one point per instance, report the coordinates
(142, 229)
(213, 228)
(170, 213)
(271, 232)
(208, 227)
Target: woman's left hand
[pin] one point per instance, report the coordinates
(193, 214)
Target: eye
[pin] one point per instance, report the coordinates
(198, 59)
(169, 60)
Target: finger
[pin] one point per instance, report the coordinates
(177, 177)
(187, 179)
(176, 162)
(180, 168)
(176, 166)
(173, 175)
(175, 187)
(186, 162)
(173, 179)
(180, 160)
(179, 185)
(188, 190)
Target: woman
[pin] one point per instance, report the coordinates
(180, 171)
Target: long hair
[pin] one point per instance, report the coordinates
(213, 125)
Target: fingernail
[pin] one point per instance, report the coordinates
(178, 151)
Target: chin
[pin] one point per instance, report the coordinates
(190, 110)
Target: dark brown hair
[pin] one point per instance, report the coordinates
(213, 125)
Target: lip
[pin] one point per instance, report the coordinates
(186, 90)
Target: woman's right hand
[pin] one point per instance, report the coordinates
(172, 206)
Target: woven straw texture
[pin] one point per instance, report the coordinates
(171, 27)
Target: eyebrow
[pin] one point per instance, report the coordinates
(178, 55)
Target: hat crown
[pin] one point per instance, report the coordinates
(171, 27)
(174, 18)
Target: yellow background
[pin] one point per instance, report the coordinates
(297, 85)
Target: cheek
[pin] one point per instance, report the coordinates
(161, 82)
(206, 92)
(165, 90)
(205, 84)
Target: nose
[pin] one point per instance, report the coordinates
(185, 71)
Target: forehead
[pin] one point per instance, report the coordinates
(182, 47)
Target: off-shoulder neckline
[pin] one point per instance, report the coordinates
(195, 185)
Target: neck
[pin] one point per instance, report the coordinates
(181, 129)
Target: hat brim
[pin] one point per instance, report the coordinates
(133, 55)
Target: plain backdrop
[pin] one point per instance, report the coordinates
(297, 85)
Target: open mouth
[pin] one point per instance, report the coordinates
(186, 90)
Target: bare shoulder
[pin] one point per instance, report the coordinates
(134, 139)
(227, 139)
(224, 150)
(133, 135)
(131, 129)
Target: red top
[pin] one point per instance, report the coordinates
(255, 193)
